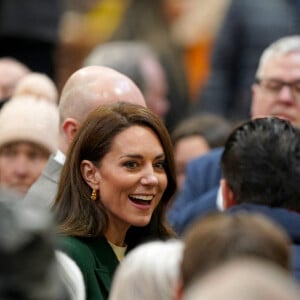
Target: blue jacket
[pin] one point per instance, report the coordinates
(289, 221)
(199, 192)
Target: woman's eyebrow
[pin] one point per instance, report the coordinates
(159, 156)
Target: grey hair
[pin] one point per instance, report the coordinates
(123, 56)
(150, 271)
(281, 46)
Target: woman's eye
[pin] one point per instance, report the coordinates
(131, 164)
(160, 165)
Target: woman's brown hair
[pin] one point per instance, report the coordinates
(75, 213)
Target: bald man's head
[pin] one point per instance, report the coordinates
(92, 86)
(88, 88)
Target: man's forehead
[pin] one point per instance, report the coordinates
(281, 64)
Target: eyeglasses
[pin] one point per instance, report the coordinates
(274, 86)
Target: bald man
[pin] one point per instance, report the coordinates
(85, 90)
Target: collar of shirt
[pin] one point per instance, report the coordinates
(60, 157)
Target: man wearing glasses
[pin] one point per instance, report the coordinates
(275, 92)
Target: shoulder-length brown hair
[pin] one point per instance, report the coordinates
(76, 213)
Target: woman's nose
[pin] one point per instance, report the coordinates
(149, 179)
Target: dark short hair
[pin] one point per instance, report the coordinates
(261, 163)
(76, 214)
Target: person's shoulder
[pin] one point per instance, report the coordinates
(296, 260)
(76, 248)
(71, 242)
(212, 154)
(212, 157)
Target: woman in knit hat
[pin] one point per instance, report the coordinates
(28, 135)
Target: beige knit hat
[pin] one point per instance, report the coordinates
(25, 118)
(38, 85)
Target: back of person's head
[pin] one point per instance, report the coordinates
(28, 267)
(138, 61)
(282, 46)
(222, 237)
(150, 271)
(246, 279)
(261, 163)
(92, 86)
(86, 89)
(11, 71)
(38, 85)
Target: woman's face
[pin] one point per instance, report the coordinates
(132, 177)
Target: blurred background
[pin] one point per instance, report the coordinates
(209, 49)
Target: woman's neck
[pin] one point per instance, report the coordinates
(116, 234)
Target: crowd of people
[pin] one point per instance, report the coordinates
(112, 188)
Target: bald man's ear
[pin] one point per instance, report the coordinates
(227, 194)
(70, 128)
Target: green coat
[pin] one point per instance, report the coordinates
(96, 260)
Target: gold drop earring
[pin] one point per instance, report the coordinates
(94, 195)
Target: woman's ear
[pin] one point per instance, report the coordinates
(90, 174)
(227, 194)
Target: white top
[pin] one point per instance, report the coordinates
(60, 157)
(119, 251)
(220, 203)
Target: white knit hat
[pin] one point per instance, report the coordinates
(38, 85)
(25, 118)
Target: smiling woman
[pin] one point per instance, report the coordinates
(115, 186)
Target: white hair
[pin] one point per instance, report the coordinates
(281, 46)
(70, 275)
(148, 272)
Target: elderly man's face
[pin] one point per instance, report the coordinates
(278, 90)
